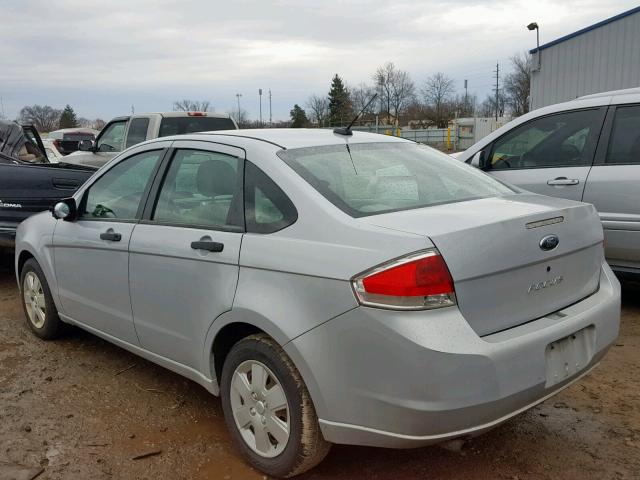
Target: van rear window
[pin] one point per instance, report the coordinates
(182, 125)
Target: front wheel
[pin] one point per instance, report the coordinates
(268, 409)
(39, 309)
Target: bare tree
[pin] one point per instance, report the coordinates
(98, 124)
(192, 106)
(402, 92)
(319, 109)
(242, 120)
(360, 96)
(488, 106)
(85, 122)
(395, 89)
(517, 85)
(437, 92)
(43, 117)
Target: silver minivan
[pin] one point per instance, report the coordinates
(330, 287)
(587, 149)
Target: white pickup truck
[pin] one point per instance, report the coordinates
(124, 132)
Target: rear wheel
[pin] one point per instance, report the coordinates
(268, 409)
(39, 309)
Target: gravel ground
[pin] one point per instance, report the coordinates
(80, 408)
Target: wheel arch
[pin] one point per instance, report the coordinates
(227, 330)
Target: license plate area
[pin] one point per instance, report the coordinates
(570, 355)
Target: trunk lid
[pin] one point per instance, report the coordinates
(502, 276)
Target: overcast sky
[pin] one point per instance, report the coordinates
(103, 57)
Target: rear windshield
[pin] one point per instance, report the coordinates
(77, 136)
(182, 125)
(371, 178)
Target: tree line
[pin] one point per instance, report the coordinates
(400, 100)
(46, 118)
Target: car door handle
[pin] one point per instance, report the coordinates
(208, 245)
(65, 183)
(111, 236)
(563, 181)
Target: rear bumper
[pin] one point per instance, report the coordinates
(407, 379)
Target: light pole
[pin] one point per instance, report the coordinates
(238, 95)
(260, 94)
(270, 117)
(534, 26)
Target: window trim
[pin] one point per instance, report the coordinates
(82, 200)
(490, 147)
(154, 192)
(607, 136)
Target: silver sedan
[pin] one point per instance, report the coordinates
(331, 287)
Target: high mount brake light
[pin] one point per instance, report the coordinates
(196, 114)
(418, 281)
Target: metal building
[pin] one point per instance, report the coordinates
(599, 58)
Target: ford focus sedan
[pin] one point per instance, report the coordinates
(343, 288)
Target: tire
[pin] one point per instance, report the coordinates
(36, 295)
(305, 447)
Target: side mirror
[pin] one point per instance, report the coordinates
(85, 145)
(478, 160)
(65, 210)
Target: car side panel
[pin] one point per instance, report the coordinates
(35, 238)
(615, 192)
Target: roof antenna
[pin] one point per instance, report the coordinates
(347, 131)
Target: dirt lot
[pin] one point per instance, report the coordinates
(80, 408)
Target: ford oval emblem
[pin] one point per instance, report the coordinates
(549, 242)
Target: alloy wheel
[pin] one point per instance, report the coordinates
(34, 300)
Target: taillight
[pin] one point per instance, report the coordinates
(197, 114)
(416, 282)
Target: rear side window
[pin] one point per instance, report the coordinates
(624, 145)
(137, 131)
(563, 140)
(267, 208)
(182, 125)
(371, 178)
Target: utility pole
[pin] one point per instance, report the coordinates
(238, 95)
(133, 110)
(270, 118)
(1, 108)
(465, 97)
(260, 94)
(497, 89)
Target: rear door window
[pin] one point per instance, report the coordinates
(624, 144)
(137, 131)
(201, 188)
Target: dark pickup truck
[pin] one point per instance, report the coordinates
(28, 182)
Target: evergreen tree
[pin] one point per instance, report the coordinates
(339, 103)
(298, 117)
(68, 118)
